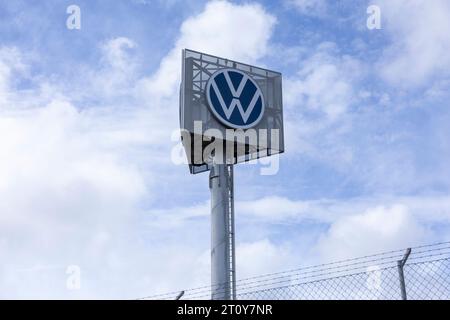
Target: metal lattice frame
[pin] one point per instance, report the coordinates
(197, 69)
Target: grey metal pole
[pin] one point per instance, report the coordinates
(222, 232)
(401, 275)
(232, 234)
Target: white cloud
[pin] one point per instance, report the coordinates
(68, 199)
(375, 230)
(217, 30)
(115, 77)
(262, 257)
(70, 192)
(74, 166)
(10, 64)
(273, 209)
(115, 52)
(420, 42)
(276, 233)
(325, 82)
(318, 100)
(277, 208)
(177, 216)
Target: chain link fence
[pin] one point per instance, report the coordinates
(415, 273)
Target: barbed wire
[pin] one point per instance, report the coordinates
(320, 272)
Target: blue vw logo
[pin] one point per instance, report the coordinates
(235, 98)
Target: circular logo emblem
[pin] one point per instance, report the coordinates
(235, 98)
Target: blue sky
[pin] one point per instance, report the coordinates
(86, 118)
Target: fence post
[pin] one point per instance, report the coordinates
(180, 295)
(401, 275)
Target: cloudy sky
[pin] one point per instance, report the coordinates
(86, 134)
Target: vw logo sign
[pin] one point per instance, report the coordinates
(235, 98)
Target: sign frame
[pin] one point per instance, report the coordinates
(197, 69)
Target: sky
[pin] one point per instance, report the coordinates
(88, 118)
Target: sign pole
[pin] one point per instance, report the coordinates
(221, 95)
(223, 274)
